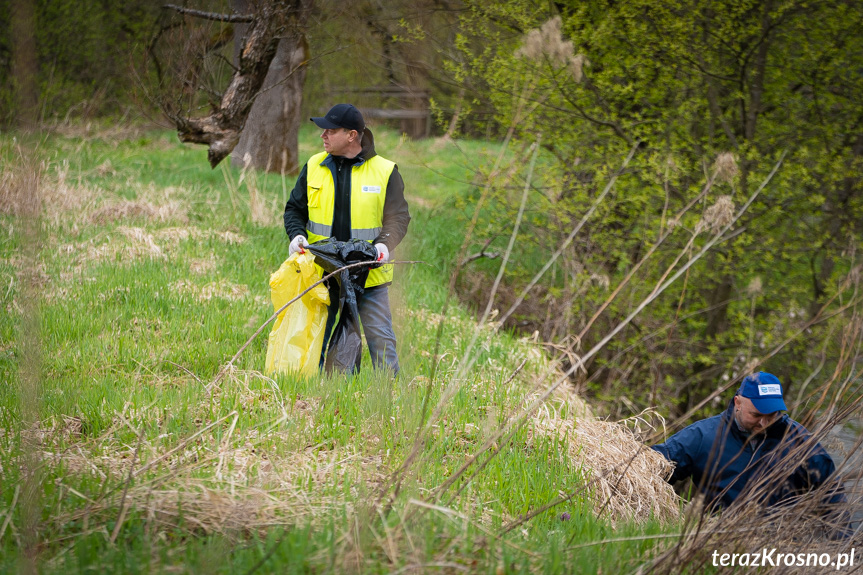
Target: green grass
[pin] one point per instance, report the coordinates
(137, 317)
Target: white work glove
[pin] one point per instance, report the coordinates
(383, 253)
(298, 244)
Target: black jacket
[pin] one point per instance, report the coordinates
(396, 216)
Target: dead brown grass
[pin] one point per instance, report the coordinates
(126, 245)
(18, 195)
(172, 210)
(203, 266)
(130, 244)
(217, 479)
(256, 491)
(66, 200)
(112, 132)
(627, 478)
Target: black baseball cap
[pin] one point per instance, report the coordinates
(341, 116)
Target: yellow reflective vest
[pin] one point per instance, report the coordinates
(368, 191)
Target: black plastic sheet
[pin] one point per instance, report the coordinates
(345, 349)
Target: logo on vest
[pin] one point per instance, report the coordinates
(769, 389)
(371, 189)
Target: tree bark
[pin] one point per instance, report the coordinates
(25, 62)
(272, 22)
(270, 139)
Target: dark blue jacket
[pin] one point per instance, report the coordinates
(722, 461)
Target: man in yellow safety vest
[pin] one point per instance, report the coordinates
(349, 192)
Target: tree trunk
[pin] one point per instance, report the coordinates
(717, 317)
(271, 23)
(271, 135)
(416, 99)
(25, 62)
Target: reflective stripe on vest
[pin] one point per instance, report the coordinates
(369, 181)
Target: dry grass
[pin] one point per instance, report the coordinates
(66, 200)
(18, 196)
(176, 234)
(100, 130)
(172, 210)
(628, 478)
(282, 491)
(217, 479)
(203, 266)
(71, 201)
(751, 529)
(126, 245)
(130, 244)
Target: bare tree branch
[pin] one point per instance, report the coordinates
(242, 18)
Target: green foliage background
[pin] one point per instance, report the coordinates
(86, 52)
(688, 81)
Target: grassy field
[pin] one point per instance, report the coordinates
(141, 272)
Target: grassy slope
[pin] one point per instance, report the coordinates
(152, 272)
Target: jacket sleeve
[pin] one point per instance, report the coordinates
(681, 449)
(819, 471)
(396, 215)
(816, 470)
(297, 208)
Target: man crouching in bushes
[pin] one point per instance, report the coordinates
(753, 450)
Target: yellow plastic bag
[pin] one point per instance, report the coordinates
(298, 333)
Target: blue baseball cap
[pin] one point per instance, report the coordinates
(341, 116)
(764, 391)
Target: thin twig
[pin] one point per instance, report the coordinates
(622, 539)
(620, 477)
(559, 500)
(515, 228)
(450, 390)
(225, 444)
(465, 364)
(662, 287)
(178, 366)
(482, 253)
